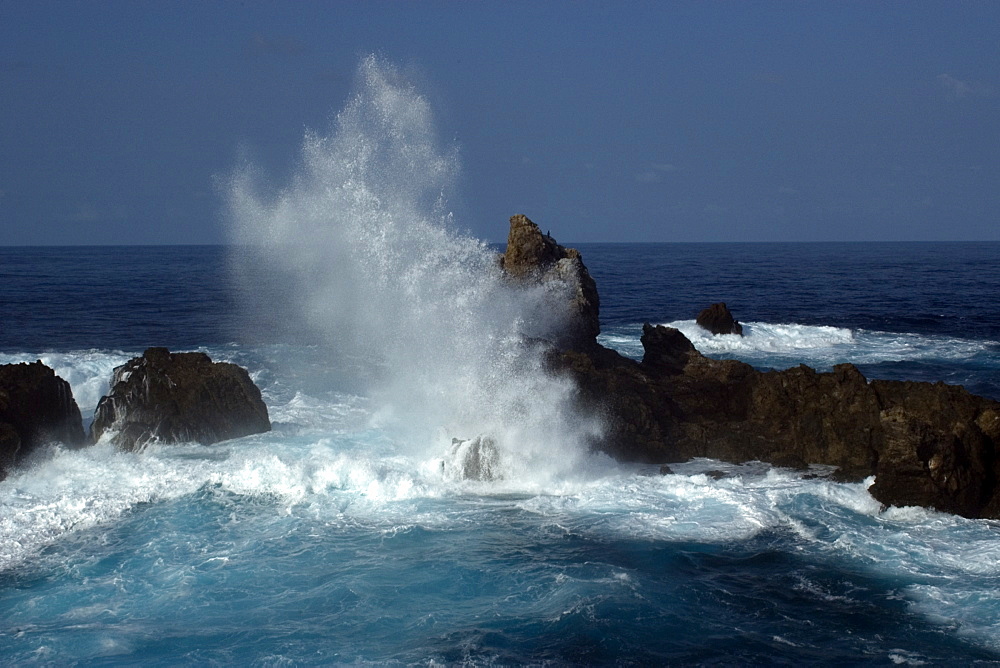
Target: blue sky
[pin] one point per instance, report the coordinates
(602, 121)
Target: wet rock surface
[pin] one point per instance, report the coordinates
(473, 459)
(533, 257)
(718, 319)
(36, 407)
(179, 397)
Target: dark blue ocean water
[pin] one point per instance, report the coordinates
(337, 539)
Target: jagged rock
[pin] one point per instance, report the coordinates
(939, 448)
(535, 257)
(474, 459)
(36, 407)
(927, 444)
(666, 349)
(718, 319)
(179, 397)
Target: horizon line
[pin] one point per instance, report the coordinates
(565, 244)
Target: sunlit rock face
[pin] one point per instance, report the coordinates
(535, 257)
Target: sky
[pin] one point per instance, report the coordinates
(602, 121)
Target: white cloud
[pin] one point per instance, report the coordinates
(654, 173)
(84, 213)
(963, 89)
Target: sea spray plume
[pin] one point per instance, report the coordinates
(363, 254)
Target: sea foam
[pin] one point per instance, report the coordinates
(367, 260)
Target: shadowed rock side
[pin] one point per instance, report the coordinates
(928, 444)
(36, 407)
(718, 319)
(179, 397)
(535, 257)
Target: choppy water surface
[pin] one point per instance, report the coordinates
(343, 536)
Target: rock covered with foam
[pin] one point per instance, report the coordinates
(36, 407)
(179, 397)
(473, 459)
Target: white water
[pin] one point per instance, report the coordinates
(327, 462)
(362, 250)
(781, 345)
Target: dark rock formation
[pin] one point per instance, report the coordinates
(179, 397)
(930, 445)
(938, 449)
(719, 320)
(927, 444)
(36, 407)
(535, 257)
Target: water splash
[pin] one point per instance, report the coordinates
(360, 252)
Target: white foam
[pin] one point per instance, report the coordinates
(88, 372)
(367, 259)
(766, 337)
(782, 345)
(63, 491)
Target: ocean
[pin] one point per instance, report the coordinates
(378, 331)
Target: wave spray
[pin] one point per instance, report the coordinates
(360, 252)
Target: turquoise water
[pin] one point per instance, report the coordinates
(337, 538)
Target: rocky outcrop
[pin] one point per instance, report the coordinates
(718, 319)
(931, 445)
(179, 397)
(36, 407)
(938, 448)
(534, 257)
(927, 444)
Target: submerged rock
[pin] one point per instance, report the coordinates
(474, 459)
(718, 319)
(36, 407)
(179, 397)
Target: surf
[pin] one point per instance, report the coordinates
(368, 260)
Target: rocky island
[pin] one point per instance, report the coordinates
(175, 397)
(927, 444)
(159, 397)
(36, 407)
